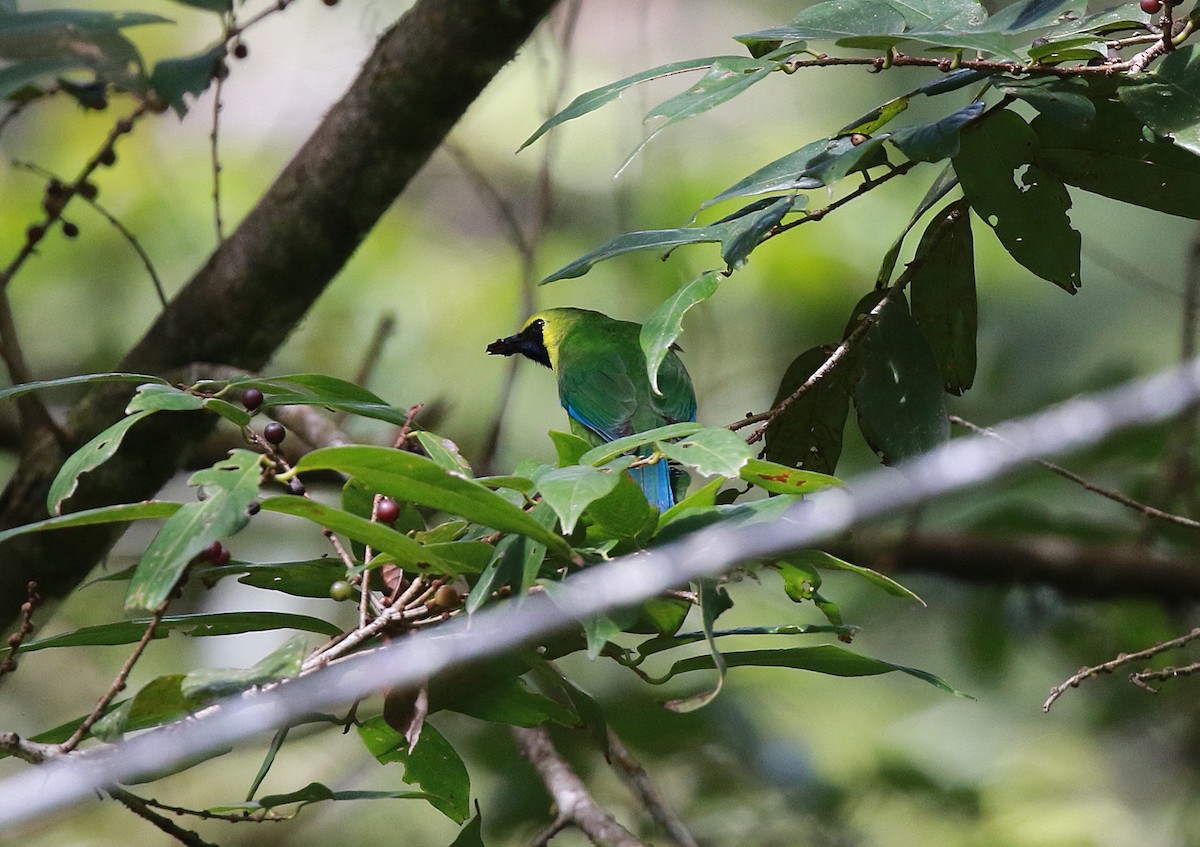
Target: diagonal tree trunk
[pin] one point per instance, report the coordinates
(238, 308)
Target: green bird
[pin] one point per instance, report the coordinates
(602, 383)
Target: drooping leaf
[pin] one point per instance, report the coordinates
(236, 415)
(808, 433)
(899, 399)
(224, 623)
(282, 663)
(445, 452)
(1025, 204)
(942, 287)
(883, 114)
(938, 140)
(1168, 99)
(665, 325)
(570, 490)
(406, 476)
(713, 451)
(1114, 159)
(87, 458)
(433, 765)
(713, 601)
(147, 509)
(782, 479)
(746, 228)
(231, 485)
(173, 79)
(824, 561)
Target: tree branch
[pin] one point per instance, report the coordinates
(259, 283)
(635, 776)
(575, 805)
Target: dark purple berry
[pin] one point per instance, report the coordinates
(223, 557)
(274, 432)
(240, 50)
(254, 508)
(387, 511)
(295, 486)
(107, 157)
(88, 190)
(211, 553)
(252, 398)
(69, 229)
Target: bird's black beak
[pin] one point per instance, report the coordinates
(528, 342)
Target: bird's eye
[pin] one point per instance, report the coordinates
(539, 323)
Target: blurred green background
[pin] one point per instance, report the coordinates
(781, 758)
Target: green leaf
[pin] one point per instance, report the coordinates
(282, 663)
(883, 114)
(823, 560)
(624, 512)
(1031, 14)
(668, 642)
(808, 433)
(147, 509)
(155, 397)
(87, 458)
(713, 601)
(942, 287)
(1114, 159)
(315, 792)
(899, 399)
(570, 490)
(231, 485)
(197, 626)
(939, 140)
(595, 724)
(406, 552)
(746, 228)
(18, 76)
(826, 659)
(433, 765)
(654, 239)
(470, 835)
(511, 702)
(406, 476)
(1062, 99)
(609, 450)
(236, 415)
(940, 187)
(90, 39)
(592, 100)
(310, 578)
(445, 452)
(947, 14)
(158, 702)
(173, 79)
(569, 446)
(219, 6)
(713, 451)
(665, 326)
(834, 19)
(781, 479)
(1027, 210)
(1168, 100)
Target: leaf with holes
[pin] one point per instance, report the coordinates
(87, 458)
(808, 433)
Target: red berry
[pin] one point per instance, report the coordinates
(274, 432)
(223, 557)
(252, 398)
(387, 511)
(211, 553)
(1150, 7)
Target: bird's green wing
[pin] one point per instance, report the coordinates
(596, 389)
(678, 400)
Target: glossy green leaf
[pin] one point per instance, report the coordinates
(511, 702)
(225, 623)
(746, 228)
(1025, 204)
(941, 282)
(175, 79)
(946, 14)
(1025, 15)
(445, 452)
(570, 490)
(82, 379)
(808, 433)
(1168, 99)
(155, 397)
(1070, 48)
(1114, 159)
(310, 578)
(87, 458)
(1062, 99)
(781, 479)
(826, 659)
(835, 19)
(147, 509)
(433, 765)
(899, 399)
(824, 561)
(515, 563)
(406, 476)
(592, 100)
(665, 325)
(609, 450)
(230, 486)
(569, 446)
(236, 415)
(282, 663)
(714, 451)
(938, 140)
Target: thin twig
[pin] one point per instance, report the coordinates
(1115, 496)
(1112, 664)
(142, 809)
(215, 158)
(1141, 678)
(32, 601)
(574, 804)
(635, 776)
(118, 683)
(32, 752)
(229, 817)
(366, 368)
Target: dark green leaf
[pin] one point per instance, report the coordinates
(1025, 205)
(87, 38)
(470, 835)
(310, 578)
(668, 642)
(87, 458)
(1168, 100)
(406, 476)
(315, 792)
(433, 765)
(939, 140)
(941, 14)
(103, 514)
(834, 19)
(225, 623)
(624, 512)
(1031, 14)
(713, 601)
(899, 399)
(18, 77)
(746, 229)
(819, 559)
(570, 447)
(236, 415)
(209, 5)
(942, 286)
(940, 187)
(511, 702)
(515, 563)
(808, 433)
(158, 702)
(172, 79)
(282, 663)
(231, 485)
(1062, 99)
(1114, 159)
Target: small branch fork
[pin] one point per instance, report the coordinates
(1140, 679)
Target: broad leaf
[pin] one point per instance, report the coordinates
(282, 663)
(173, 79)
(611, 449)
(87, 458)
(940, 187)
(1064, 100)
(158, 702)
(156, 397)
(570, 490)
(445, 452)
(433, 765)
(665, 326)
(511, 702)
(781, 479)
(1168, 100)
(808, 433)
(714, 451)
(939, 140)
(310, 578)
(835, 19)
(942, 286)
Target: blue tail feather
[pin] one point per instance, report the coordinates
(655, 481)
